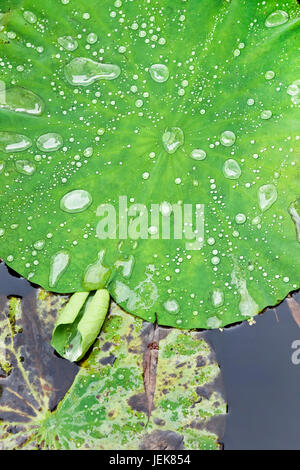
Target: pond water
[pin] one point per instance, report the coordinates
(261, 382)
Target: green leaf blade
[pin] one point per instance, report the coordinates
(232, 90)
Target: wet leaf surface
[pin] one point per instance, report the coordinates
(158, 102)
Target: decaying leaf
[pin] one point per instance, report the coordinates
(107, 406)
(32, 378)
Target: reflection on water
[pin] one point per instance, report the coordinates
(262, 384)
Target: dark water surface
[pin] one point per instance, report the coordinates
(261, 382)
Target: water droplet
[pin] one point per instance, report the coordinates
(59, 264)
(49, 142)
(2, 165)
(173, 138)
(276, 18)
(213, 322)
(266, 114)
(76, 201)
(96, 274)
(269, 75)
(247, 306)
(231, 169)
(171, 306)
(198, 154)
(83, 72)
(293, 89)
(166, 209)
(39, 245)
(217, 298)
(21, 100)
(25, 167)
(127, 267)
(215, 260)
(68, 43)
(228, 138)
(10, 142)
(294, 211)
(240, 218)
(159, 73)
(267, 195)
(139, 103)
(30, 17)
(92, 38)
(88, 152)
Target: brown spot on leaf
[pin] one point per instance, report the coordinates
(163, 440)
(139, 402)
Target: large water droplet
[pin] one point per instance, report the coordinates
(11, 142)
(2, 165)
(231, 169)
(20, 100)
(159, 73)
(294, 211)
(96, 275)
(247, 306)
(49, 142)
(171, 306)
(59, 264)
(266, 114)
(25, 167)
(293, 89)
(68, 43)
(277, 18)
(228, 138)
(267, 195)
(30, 17)
(172, 139)
(83, 72)
(198, 154)
(76, 201)
(39, 245)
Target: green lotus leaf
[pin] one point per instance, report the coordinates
(127, 395)
(164, 163)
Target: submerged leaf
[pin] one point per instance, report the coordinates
(184, 113)
(107, 406)
(79, 324)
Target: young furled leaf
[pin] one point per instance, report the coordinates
(107, 407)
(152, 147)
(79, 324)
